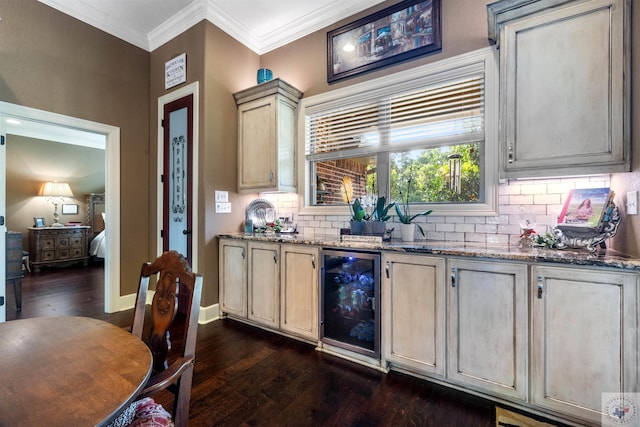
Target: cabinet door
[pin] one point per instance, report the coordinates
(263, 283)
(299, 291)
(487, 326)
(564, 100)
(233, 277)
(257, 144)
(413, 313)
(584, 338)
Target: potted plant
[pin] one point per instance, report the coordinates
(407, 226)
(380, 216)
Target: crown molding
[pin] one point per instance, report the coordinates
(324, 16)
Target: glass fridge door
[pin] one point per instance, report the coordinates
(350, 298)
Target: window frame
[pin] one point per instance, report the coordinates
(441, 71)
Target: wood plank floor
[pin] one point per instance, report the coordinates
(248, 377)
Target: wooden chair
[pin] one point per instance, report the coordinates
(171, 331)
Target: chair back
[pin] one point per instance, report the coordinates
(175, 307)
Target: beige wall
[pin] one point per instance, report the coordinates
(53, 62)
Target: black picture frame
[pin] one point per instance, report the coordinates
(38, 222)
(398, 33)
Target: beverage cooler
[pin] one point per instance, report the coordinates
(351, 301)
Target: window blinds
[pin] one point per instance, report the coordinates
(420, 117)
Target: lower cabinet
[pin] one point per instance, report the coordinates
(487, 327)
(264, 283)
(270, 284)
(233, 276)
(299, 290)
(584, 339)
(413, 309)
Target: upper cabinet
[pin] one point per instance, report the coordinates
(267, 127)
(564, 86)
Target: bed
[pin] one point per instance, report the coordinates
(96, 220)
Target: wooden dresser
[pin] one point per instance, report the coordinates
(58, 246)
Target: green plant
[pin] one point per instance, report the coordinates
(358, 212)
(402, 208)
(381, 210)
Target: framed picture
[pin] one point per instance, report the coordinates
(38, 222)
(404, 31)
(69, 209)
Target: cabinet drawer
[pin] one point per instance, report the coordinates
(63, 241)
(76, 241)
(48, 255)
(48, 243)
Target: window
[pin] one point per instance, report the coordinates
(435, 124)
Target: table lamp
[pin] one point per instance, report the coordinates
(55, 192)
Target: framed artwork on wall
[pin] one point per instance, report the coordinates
(69, 209)
(404, 31)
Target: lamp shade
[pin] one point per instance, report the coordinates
(55, 189)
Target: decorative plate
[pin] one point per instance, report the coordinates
(257, 212)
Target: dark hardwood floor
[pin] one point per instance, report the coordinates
(245, 376)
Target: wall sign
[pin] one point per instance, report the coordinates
(175, 71)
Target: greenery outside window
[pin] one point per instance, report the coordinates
(435, 123)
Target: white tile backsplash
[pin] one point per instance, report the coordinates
(544, 198)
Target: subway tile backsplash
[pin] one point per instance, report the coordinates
(542, 197)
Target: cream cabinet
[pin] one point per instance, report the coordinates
(564, 86)
(263, 283)
(233, 276)
(271, 285)
(299, 290)
(413, 313)
(267, 128)
(584, 338)
(487, 334)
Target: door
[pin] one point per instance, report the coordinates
(263, 283)
(3, 227)
(177, 176)
(487, 326)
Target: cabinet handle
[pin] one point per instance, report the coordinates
(271, 177)
(275, 257)
(510, 153)
(454, 276)
(313, 262)
(242, 253)
(540, 287)
(387, 268)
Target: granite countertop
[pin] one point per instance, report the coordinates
(602, 258)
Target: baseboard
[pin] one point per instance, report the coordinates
(207, 314)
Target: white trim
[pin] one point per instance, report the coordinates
(485, 59)
(112, 186)
(190, 89)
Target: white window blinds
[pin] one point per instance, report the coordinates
(431, 116)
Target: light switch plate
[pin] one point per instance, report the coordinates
(223, 207)
(632, 203)
(222, 196)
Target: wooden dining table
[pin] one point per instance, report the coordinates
(68, 371)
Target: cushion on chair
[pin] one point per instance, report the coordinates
(143, 413)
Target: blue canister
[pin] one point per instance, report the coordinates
(264, 75)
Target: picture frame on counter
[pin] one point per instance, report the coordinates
(38, 222)
(398, 33)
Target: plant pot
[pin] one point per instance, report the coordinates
(407, 232)
(378, 228)
(357, 227)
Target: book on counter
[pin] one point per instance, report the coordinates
(585, 209)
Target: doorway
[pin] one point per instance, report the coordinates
(43, 122)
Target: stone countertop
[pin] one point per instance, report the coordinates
(606, 258)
